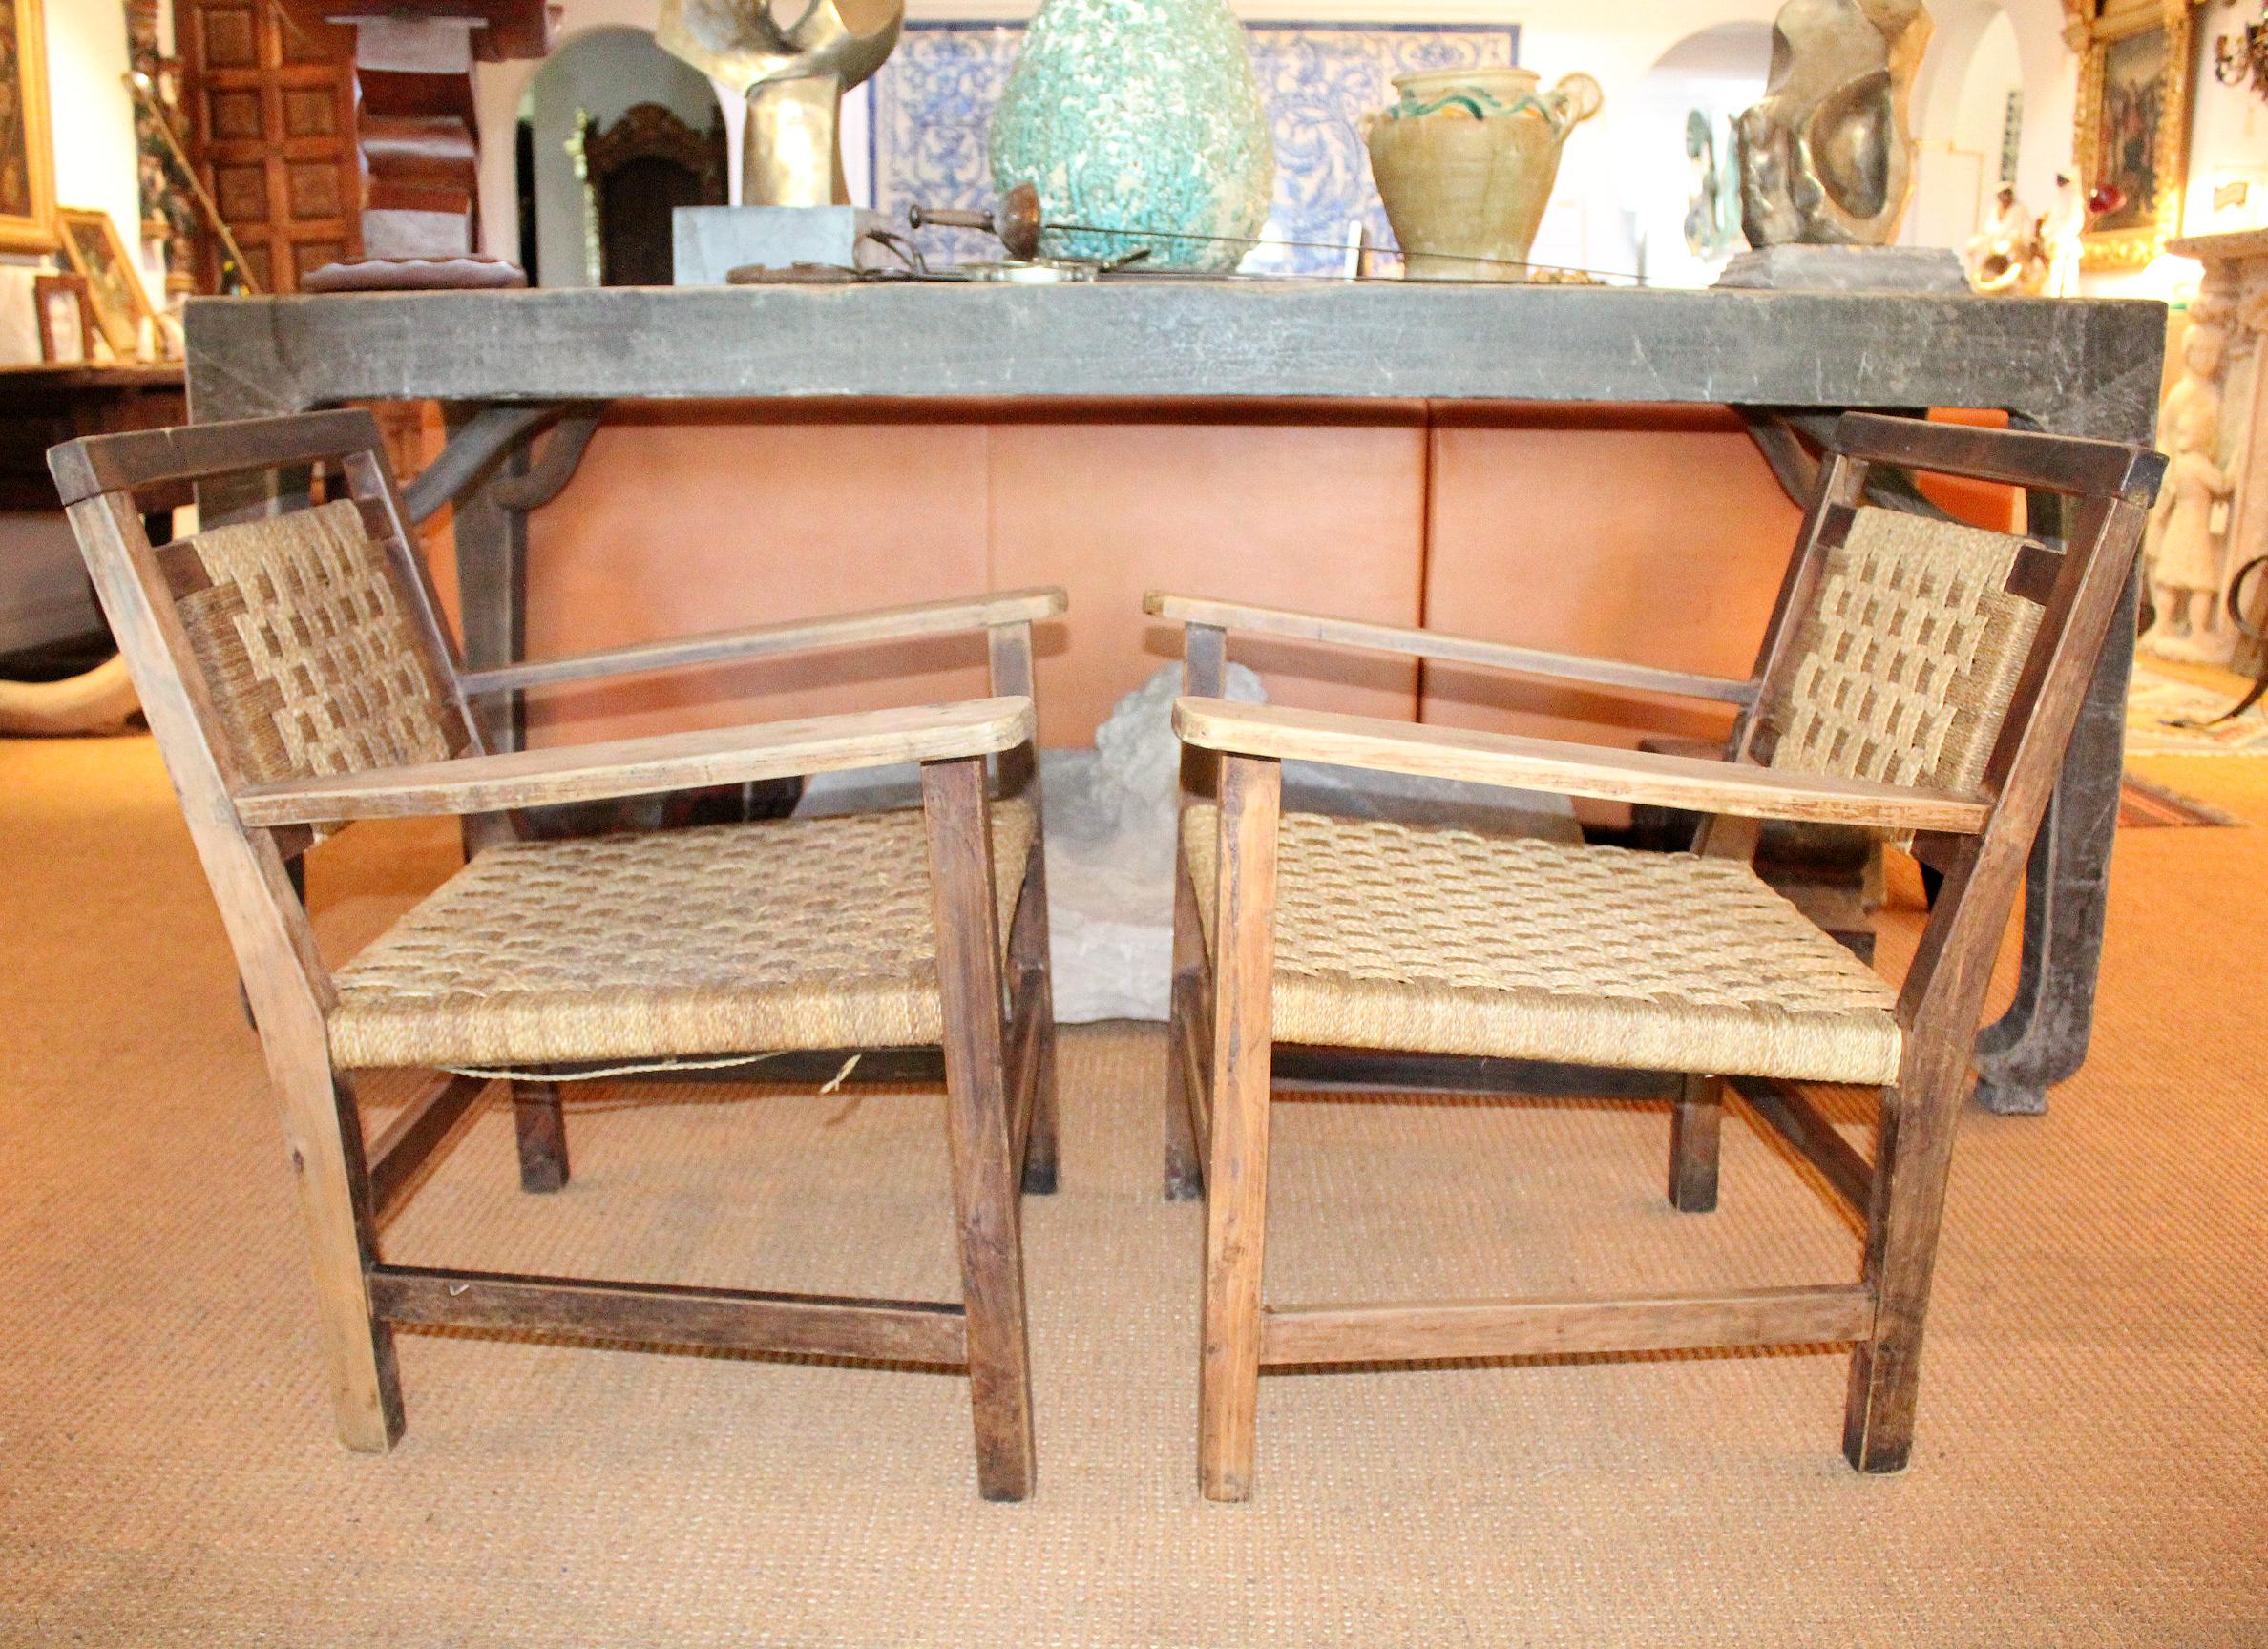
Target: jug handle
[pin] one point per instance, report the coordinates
(1575, 99)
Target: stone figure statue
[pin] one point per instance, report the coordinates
(2059, 237)
(1827, 157)
(2183, 549)
(792, 60)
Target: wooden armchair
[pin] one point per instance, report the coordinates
(1919, 678)
(295, 679)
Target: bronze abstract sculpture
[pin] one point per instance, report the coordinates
(793, 63)
(1827, 156)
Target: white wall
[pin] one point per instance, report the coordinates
(2229, 141)
(601, 72)
(501, 90)
(94, 117)
(1717, 74)
(43, 589)
(1960, 137)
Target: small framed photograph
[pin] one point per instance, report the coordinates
(65, 321)
(92, 247)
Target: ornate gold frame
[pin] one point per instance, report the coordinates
(35, 232)
(2093, 27)
(121, 333)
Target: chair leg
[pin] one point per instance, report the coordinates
(1912, 1161)
(977, 1126)
(1185, 1179)
(1029, 963)
(542, 1129)
(1695, 1130)
(323, 1130)
(1041, 1163)
(1236, 1177)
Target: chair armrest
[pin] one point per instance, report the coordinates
(645, 766)
(1606, 673)
(1606, 775)
(722, 646)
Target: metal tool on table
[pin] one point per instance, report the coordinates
(1017, 221)
(1014, 221)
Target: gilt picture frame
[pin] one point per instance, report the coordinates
(2137, 96)
(91, 248)
(66, 319)
(27, 142)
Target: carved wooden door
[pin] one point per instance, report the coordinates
(642, 168)
(270, 95)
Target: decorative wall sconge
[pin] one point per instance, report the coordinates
(2242, 59)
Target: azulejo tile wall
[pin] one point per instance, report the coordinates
(933, 100)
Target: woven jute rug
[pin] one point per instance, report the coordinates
(2090, 1465)
(2184, 711)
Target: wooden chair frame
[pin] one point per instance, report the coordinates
(999, 1044)
(1218, 1065)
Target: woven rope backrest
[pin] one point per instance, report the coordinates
(1904, 668)
(306, 651)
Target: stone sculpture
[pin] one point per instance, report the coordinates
(2183, 548)
(1827, 157)
(792, 61)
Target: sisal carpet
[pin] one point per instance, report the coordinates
(2090, 1467)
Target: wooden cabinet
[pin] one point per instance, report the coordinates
(269, 90)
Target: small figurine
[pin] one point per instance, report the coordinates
(2005, 255)
(2059, 237)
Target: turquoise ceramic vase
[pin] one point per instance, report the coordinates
(1138, 115)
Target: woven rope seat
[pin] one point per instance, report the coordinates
(733, 938)
(1442, 941)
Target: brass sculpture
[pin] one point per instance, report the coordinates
(1827, 157)
(792, 61)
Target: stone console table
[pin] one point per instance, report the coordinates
(510, 364)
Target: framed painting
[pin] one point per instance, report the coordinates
(115, 296)
(66, 324)
(2136, 95)
(27, 151)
